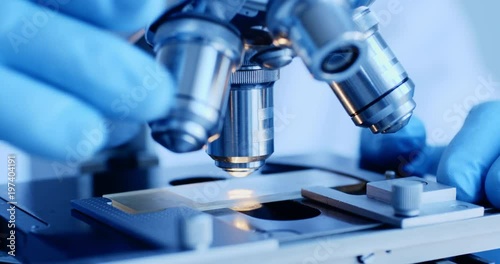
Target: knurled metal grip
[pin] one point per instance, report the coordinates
(254, 76)
(407, 197)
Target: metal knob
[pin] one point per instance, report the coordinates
(390, 175)
(196, 232)
(407, 197)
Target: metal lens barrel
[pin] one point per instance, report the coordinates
(322, 33)
(380, 95)
(201, 54)
(247, 137)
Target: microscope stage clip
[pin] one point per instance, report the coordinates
(438, 204)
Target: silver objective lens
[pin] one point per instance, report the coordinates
(380, 95)
(321, 32)
(201, 55)
(247, 137)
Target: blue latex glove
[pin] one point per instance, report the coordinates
(471, 162)
(404, 152)
(63, 75)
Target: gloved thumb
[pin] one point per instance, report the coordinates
(492, 184)
(470, 162)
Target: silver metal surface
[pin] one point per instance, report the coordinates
(196, 232)
(233, 192)
(202, 42)
(274, 58)
(390, 175)
(380, 95)
(433, 192)
(384, 244)
(247, 136)
(327, 222)
(222, 9)
(253, 76)
(234, 200)
(201, 55)
(406, 197)
(328, 162)
(432, 213)
(259, 5)
(322, 33)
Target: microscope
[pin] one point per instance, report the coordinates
(225, 56)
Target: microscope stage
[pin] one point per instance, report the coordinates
(253, 208)
(255, 219)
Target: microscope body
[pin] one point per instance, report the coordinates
(225, 57)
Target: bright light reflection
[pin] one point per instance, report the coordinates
(242, 224)
(248, 201)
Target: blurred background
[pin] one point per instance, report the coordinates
(483, 17)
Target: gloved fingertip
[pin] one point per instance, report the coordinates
(131, 15)
(80, 138)
(492, 184)
(425, 162)
(151, 99)
(121, 132)
(464, 178)
(160, 95)
(486, 108)
(121, 16)
(472, 152)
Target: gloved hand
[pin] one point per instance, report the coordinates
(63, 74)
(471, 162)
